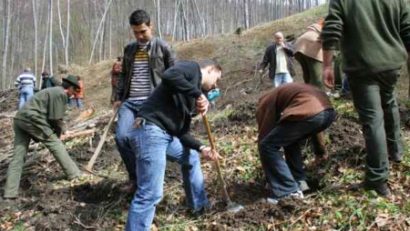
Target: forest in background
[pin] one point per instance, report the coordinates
(43, 34)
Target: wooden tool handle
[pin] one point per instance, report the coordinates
(218, 168)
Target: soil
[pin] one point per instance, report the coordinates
(94, 204)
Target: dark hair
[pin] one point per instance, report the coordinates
(66, 85)
(119, 58)
(208, 62)
(139, 17)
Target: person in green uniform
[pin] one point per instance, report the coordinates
(373, 36)
(41, 119)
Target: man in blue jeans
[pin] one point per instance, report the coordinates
(143, 63)
(26, 82)
(163, 125)
(287, 115)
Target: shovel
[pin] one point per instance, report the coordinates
(231, 206)
(91, 162)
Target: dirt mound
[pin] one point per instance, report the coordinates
(8, 100)
(243, 113)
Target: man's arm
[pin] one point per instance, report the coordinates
(328, 74)
(265, 60)
(289, 49)
(169, 56)
(58, 126)
(405, 25)
(188, 140)
(175, 79)
(333, 28)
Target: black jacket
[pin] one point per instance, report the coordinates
(172, 104)
(270, 58)
(160, 58)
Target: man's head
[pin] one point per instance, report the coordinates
(140, 23)
(70, 85)
(278, 37)
(211, 73)
(119, 58)
(45, 74)
(27, 69)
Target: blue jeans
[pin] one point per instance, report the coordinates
(153, 145)
(26, 92)
(77, 102)
(282, 78)
(126, 116)
(282, 176)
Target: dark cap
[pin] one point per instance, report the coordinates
(72, 80)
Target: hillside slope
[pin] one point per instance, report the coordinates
(48, 202)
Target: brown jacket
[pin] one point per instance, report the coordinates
(309, 43)
(289, 102)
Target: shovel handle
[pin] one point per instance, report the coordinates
(97, 151)
(218, 168)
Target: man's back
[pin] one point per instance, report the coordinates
(373, 33)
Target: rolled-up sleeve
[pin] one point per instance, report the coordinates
(333, 28)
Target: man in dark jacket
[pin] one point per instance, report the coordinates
(373, 36)
(41, 119)
(163, 130)
(48, 81)
(143, 63)
(279, 57)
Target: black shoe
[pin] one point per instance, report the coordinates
(202, 211)
(396, 157)
(382, 189)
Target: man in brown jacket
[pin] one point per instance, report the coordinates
(286, 115)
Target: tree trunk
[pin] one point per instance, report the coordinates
(50, 37)
(246, 13)
(43, 66)
(67, 34)
(157, 4)
(35, 38)
(174, 30)
(63, 38)
(107, 7)
(6, 43)
(408, 73)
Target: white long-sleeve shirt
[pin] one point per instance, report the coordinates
(25, 79)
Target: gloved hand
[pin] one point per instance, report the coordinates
(213, 94)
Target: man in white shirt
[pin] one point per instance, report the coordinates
(279, 57)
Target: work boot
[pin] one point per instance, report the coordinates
(303, 186)
(201, 211)
(295, 195)
(129, 187)
(382, 189)
(396, 157)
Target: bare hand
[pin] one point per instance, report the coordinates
(328, 77)
(210, 154)
(116, 104)
(202, 104)
(66, 135)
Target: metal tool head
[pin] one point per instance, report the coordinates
(234, 207)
